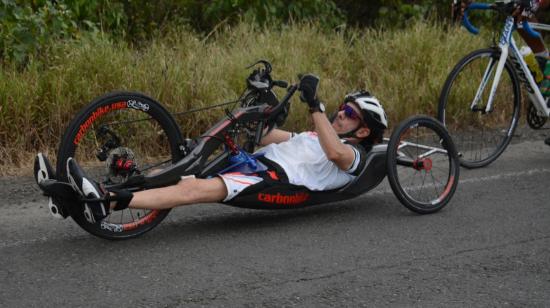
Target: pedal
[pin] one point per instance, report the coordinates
(60, 195)
(54, 209)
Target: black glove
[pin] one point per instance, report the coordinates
(308, 88)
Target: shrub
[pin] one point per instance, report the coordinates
(404, 68)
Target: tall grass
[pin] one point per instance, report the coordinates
(405, 69)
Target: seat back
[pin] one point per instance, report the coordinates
(372, 174)
(287, 196)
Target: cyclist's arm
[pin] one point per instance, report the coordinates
(536, 44)
(275, 136)
(339, 153)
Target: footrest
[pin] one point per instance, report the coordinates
(61, 197)
(43, 169)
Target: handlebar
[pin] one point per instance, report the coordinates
(485, 6)
(466, 21)
(291, 90)
(260, 78)
(274, 113)
(280, 83)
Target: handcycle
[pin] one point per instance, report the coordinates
(481, 98)
(127, 140)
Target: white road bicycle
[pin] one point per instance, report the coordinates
(480, 101)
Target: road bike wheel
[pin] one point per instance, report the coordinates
(422, 164)
(118, 135)
(480, 137)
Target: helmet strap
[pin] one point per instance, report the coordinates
(350, 134)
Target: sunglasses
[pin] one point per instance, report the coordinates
(349, 112)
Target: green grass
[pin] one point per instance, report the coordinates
(405, 69)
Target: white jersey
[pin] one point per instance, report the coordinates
(305, 163)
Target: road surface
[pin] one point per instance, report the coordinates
(489, 247)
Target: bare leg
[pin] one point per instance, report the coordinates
(187, 191)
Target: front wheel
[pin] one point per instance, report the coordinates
(480, 135)
(117, 136)
(422, 164)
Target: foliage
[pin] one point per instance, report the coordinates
(405, 69)
(393, 13)
(28, 29)
(275, 11)
(25, 31)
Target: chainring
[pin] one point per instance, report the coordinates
(534, 120)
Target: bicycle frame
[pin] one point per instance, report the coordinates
(217, 152)
(509, 49)
(196, 162)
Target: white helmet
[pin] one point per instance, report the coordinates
(372, 110)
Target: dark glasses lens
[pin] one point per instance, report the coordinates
(349, 112)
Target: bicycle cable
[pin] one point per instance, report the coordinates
(182, 112)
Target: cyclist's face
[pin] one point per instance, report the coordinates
(347, 119)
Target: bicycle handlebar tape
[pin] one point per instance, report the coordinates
(466, 22)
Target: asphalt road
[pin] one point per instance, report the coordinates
(489, 247)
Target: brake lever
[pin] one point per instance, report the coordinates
(266, 64)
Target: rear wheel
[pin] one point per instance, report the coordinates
(116, 136)
(480, 136)
(422, 164)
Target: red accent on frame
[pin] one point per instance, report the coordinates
(231, 144)
(223, 125)
(273, 175)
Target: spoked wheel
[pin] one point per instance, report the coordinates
(114, 137)
(422, 164)
(480, 135)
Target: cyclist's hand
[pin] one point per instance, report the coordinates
(308, 87)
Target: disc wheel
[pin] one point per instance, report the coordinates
(480, 136)
(422, 164)
(116, 136)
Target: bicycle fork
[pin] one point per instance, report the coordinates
(485, 81)
(503, 45)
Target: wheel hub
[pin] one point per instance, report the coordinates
(423, 164)
(121, 163)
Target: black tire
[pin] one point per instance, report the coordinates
(148, 135)
(405, 163)
(480, 137)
